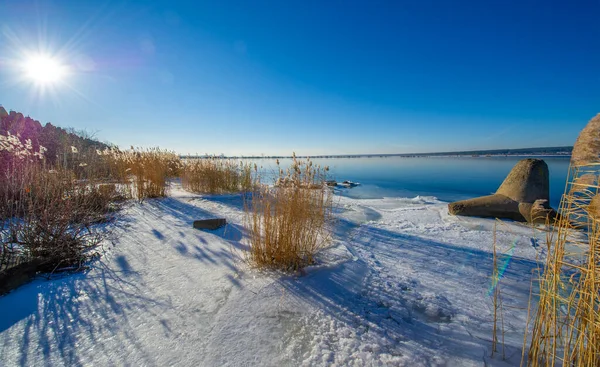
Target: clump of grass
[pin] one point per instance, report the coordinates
(145, 171)
(151, 169)
(566, 325)
(288, 223)
(215, 176)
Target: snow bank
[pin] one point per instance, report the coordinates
(403, 283)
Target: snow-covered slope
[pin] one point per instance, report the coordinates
(403, 283)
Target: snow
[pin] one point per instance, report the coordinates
(403, 283)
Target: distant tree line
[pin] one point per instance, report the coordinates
(56, 140)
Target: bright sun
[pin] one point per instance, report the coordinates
(44, 69)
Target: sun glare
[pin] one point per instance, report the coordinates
(44, 69)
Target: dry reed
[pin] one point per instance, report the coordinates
(145, 172)
(151, 169)
(47, 214)
(216, 176)
(289, 223)
(566, 324)
(496, 298)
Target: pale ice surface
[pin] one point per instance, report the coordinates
(403, 284)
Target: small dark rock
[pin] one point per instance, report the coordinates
(210, 223)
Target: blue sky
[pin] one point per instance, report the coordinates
(314, 77)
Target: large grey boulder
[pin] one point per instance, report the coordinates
(523, 196)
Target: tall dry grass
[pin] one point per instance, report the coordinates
(216, 176)
(151, 170)
(566, 324)
(497, 299)
(289, 223)
(49, 211)
(46, 214)
(144, 172)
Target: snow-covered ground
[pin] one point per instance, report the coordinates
(403, 284)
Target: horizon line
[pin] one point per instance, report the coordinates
(558, 151)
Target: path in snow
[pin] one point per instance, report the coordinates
(415, 296)
(402, 284)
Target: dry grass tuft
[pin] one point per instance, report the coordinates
(289, 223)
(216, 176)
(145, 172)
(583, 184)
(594, 208)
(151, 170)
(566, 324)
(587, 147)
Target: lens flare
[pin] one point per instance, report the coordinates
(506, 258)
(44, 69)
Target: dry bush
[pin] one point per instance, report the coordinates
(289, 223)
(216, 176)
(57, 218)
(48, 215)
(566, 324)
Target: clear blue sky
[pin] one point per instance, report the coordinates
(315, 77)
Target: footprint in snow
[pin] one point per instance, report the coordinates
(435, 308)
